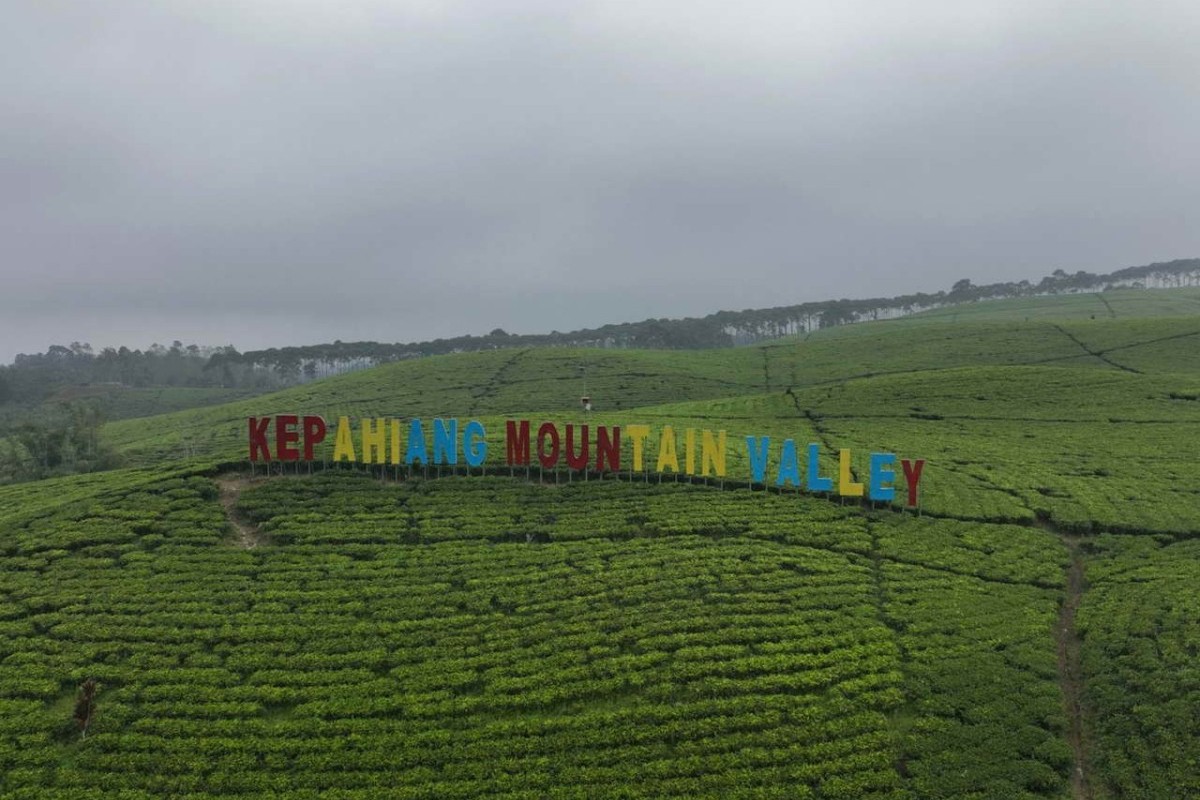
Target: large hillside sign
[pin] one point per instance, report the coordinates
(290, 437)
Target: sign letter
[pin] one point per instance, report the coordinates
(912, 474)
(547, 431)
(758, 457)
(343, 445)
(258, 438)
(712, 453)
(608, 448)
(847, 486)
(445, 441)
(883, 475)
(373, 439)
(516, 443)
(639, 434)
(815, 482)
(416, 445)
(286, 436)
(475, 443)
(314, 434)
(789, 465)
(580, 461)
(666, 450)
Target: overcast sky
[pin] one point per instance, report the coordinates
(269, 172)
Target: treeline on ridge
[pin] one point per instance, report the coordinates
(721, 329)
(38, 377)
(35, 378)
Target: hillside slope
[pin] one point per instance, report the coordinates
(554, 380)
(1030, 635)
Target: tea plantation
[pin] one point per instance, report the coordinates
(1034, 632)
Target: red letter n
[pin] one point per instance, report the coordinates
(608, 449)
(577, 461)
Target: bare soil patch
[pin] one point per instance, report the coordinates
(230, 488)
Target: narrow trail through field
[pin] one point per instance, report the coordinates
(1070, 669)
(230, 488)
(1068, 643)
(1070, 666)
(497, 380)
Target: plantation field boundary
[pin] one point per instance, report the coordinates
(1100, 355)
(1067, 640)
(1156, 340)
(1027, 630)
(338, 530)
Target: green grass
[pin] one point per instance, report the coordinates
(493, 636)
(509, 382)
(1141, 631)
(648, 641)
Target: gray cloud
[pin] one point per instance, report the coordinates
(264, 173)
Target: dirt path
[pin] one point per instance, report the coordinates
(230, 487)
(495, 382)
(1070, 671)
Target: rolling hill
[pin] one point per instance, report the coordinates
(1032, 632)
